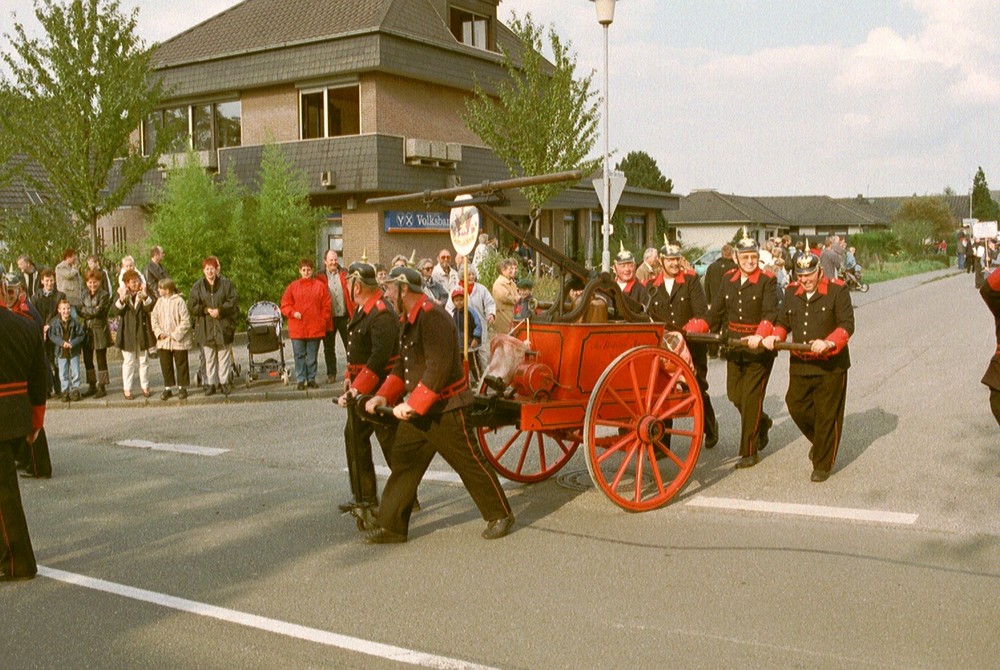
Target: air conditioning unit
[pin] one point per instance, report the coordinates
(326, 179)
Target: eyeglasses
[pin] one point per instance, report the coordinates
(428, 268)
(444, 258)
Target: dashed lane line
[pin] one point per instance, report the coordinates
(178, 448)
(354, 644)
(823, 511)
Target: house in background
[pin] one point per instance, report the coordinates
(366, 98)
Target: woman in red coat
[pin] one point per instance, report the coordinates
(306, 305)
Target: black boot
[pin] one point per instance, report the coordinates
(91, 383)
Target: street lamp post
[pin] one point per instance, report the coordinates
(605, 16)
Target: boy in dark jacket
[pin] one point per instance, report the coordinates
(45, 300)
(67, 335)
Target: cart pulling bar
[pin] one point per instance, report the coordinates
(713, 338)
(486, 186)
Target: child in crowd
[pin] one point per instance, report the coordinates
(67, 336)
(525, 306)
(45, 301)
(172, 327)
(475, 329)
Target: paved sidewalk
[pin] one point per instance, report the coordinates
(257, 392)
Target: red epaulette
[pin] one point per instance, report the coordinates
(731, 271)
(380, 306)
(838, 282)
(768, 273)
(793, 285)
(691, 273)
(428, 306)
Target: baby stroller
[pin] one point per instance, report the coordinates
(263, 337)
(852, 278)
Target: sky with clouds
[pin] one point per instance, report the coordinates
(769, 97)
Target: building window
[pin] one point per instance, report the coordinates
(634, 232)
(202, 127)
(334, 232)
(331, 112)
(471, 29)
(118, 238)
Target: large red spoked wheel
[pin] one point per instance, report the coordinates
(527, 455)
(644, 427)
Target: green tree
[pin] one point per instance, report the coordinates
(40, 231)
(278, 230)
(194, 217)
(984, 207)
(542, 118)
(641, 171)
(931, 209)
(81, 90)
(876, 247)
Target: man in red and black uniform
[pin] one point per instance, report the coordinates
(23, 391)
(745, 307)
(625, 276)
(372, 349)
(433, 419)
(818, 312)
(677, 299)
(990, 290)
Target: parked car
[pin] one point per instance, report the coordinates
(707, 259)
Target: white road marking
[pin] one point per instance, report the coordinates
(323, 637)
(438, 476)
(179, 448)
(805, 510)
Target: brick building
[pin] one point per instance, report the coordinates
(365, 97)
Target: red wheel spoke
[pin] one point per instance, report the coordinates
(607, 423)
(616, 447)
(506, 446)
(655, 467)
(635, 384)
(624, 467)
(614, 394)
(561, 444)
(524, 452)
(541, 452)
(638, 474)
(667, 391)
(685, 433)
(654, 374)
(674, 410)
(672, 456)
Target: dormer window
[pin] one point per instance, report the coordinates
(469, 28)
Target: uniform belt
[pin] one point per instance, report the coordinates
(454, 389)
(810, 356)
(743, 328)
(354, 369)
(13, 388)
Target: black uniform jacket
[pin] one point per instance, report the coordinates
(745, 308)
(682, 308)
(635, 290)
(372, 344)
(23, 376)
(990, 291)
(429, 366)
(714, 275)
(827, 315)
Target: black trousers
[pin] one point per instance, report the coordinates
(330, 344)
(450, 435)
(88, 360)
(171, 360)
(746, 384)
(34, 458)
(699, 355)
(995, 404)
(358, 443)
(17, 558)
(816, 404)
(50, 355)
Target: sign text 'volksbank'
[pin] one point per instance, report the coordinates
(417, 222)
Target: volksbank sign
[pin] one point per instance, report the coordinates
(417, 222)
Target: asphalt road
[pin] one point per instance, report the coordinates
(159, 559)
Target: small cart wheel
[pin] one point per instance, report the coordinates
(643, 429)
(249, 379)
(527, 456)
(863, 287)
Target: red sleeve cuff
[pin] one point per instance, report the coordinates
(764, 329)
(422, 399)
(365, 382)
(780, 333)
(839, 337)
(38, 417)
(994, 280)
(392, 389)
(696, 326)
